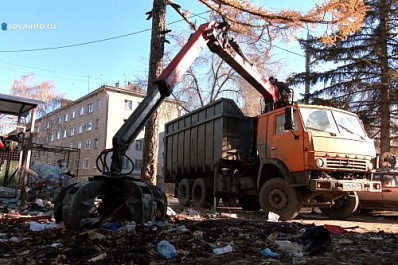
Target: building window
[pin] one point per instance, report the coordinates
(138, 145)
(98, 103)
(97, 122)
(128, 104)
(52, 137)
(72, 131)
(96, 143)
(79, 145)
(38, 129)
(138, 164)
(89, 125)
(64, 133)
(90, 107)
(70, 145)
(87, 144)
(58, 135)
(80, 128)
(81, 111)
(66, 117)
(73, 115)
(86, 163)
(59, 119)
(125, 163)
(48, 125)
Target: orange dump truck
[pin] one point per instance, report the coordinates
(282, 160)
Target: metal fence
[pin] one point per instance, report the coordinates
(49, 162)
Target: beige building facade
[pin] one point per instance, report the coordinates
(90, 123)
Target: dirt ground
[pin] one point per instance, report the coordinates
(362, 239)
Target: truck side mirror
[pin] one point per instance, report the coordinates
(289, 121)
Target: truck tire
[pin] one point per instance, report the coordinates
(276, 196)
(249, 203)
(343, 207)
(201, 195)
(184, 192)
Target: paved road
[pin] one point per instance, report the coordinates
(375, 221)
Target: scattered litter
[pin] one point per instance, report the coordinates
(170, 211)
(335, 229)
(98, 258)
(273, 217)
(298, 258)
(268, 253)
(35, 226)
(223, 250)
(316, 239)
(112, 226)
(166, 249)
(127, 228)
(228, 215)
(286, 246)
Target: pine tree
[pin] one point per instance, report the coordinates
(364, 79)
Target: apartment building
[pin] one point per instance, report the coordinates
(90, 123)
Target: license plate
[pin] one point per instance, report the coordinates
(353, 185)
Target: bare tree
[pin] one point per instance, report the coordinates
(151, 139)
(45, 91)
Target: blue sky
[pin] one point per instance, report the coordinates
(78, 70)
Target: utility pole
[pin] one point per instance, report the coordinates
(307, 70)
(385, 114)
(151, 139)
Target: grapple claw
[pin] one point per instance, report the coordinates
(136, 200)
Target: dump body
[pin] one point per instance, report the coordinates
(195, 141)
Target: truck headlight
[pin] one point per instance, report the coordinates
(320, 162)
(370, 166)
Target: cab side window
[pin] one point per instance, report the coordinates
(280, 123)
(390, 181)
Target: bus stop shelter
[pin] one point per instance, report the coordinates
(19, 108)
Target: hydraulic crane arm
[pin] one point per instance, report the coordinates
(162, 87)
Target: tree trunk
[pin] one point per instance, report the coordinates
(151, 140)
(384, 88)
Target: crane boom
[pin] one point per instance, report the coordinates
(210, 34)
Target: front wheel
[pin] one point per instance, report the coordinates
(343, 207)
(276, 196)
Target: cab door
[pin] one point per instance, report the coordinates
(389, 191)
(286, 145)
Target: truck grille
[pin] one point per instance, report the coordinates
(349, 164)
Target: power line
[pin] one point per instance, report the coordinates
(68, 79)
(91, 42)
(289, 51)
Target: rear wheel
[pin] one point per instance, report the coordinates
(343, 207)
(276, 196)
(201, 194)
(185, 192)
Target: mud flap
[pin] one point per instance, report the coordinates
(143, 201)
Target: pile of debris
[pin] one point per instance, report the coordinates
(192, 238)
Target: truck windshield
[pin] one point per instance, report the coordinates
(332, 121)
